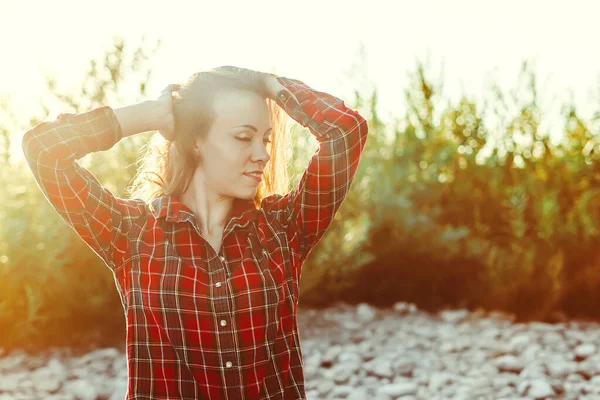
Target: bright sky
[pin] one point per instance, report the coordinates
(468, 42)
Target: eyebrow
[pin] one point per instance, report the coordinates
(252, 127)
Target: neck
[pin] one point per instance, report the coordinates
(210, 208)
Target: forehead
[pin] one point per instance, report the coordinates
(237, 107)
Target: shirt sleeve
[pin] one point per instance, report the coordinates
(309, 208)
(51, 149)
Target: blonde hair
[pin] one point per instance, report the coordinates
(167, 167)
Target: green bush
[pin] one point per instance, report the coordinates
(54, 290)
(451, 212)
(445, 211)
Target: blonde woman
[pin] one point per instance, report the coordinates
(207, 253)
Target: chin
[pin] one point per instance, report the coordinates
(247, 195)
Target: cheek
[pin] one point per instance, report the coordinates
(222, 162)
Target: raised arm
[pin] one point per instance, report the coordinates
(309, 208)
(51, 149)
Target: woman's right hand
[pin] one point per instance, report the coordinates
(165, 106)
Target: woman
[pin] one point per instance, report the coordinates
(208, 266)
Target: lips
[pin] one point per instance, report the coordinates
(256, 177)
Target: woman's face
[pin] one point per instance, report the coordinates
(236, 144)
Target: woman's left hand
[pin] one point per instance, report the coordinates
(273, 87)
(270, 82)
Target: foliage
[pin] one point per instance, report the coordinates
(445, 210)
(53, 288)
(461, 214)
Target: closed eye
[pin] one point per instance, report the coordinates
(249, 140)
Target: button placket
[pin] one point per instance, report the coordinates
(220, 283)
(225, 266)
(222, 313)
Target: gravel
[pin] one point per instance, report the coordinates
(363, 352)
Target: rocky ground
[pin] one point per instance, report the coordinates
(363, 353)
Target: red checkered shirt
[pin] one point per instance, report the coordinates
(201, 324)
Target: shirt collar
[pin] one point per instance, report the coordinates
(170, 208)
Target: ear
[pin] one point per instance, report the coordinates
(198, 146)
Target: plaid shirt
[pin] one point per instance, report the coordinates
(200, 324)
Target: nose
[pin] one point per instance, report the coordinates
(260, 153)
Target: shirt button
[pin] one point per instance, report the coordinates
(218, 284)
(222, 258)
(228, 364)
(223, 322)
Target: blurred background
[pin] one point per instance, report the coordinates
(479, 187)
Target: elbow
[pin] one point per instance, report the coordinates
(363, 126)
(361, 129)
(30, 143)
(26, 143)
